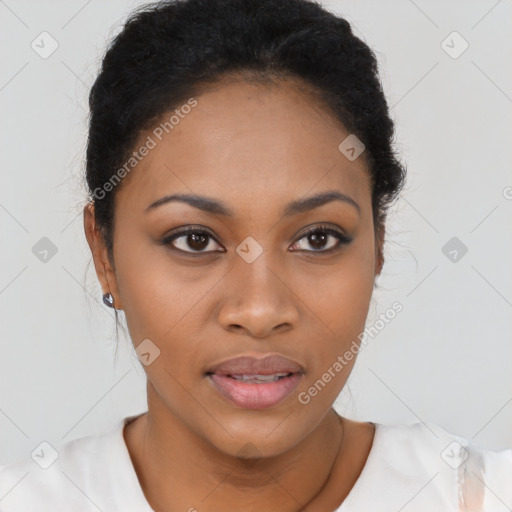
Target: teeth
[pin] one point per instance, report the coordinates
(256, 379)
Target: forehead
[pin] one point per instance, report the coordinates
(249, 143)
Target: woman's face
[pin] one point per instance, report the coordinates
(256, 283)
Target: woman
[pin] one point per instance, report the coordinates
(240, 168)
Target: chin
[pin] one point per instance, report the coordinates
(255, 436)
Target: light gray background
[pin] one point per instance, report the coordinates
(446, 358)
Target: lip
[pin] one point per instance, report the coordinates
(250, 365)
(249, 395)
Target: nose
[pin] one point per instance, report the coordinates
(258, 302)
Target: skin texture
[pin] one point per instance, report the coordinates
(255, 147)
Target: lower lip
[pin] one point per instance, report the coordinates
(255, 396)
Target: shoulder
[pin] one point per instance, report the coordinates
(474, 477)
(422, 467)
(432, 444)
(81, 475)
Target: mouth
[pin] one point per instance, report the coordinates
(259, 379)
(252, 383)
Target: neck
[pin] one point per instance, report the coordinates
(183, 471)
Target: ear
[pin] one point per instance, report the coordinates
(379, 248)
(104, 269)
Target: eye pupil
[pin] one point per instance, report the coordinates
(198, 240)
(315, 237)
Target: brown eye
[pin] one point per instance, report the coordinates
(321, 237)
(190, 238)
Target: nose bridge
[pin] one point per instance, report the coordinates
(255, 270)
(257, 299)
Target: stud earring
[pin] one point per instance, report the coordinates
(108, 300)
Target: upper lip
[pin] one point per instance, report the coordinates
(249, 365)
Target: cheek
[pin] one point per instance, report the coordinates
(157, 306)
(353, 287)
(147, 286)
(338, 296)
(166, 304)
(339, 306)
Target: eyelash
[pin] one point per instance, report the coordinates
(342, 239)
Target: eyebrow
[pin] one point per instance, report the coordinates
(215, 207)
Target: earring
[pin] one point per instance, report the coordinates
(108, 300)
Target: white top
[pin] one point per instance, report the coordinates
(416, 468)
